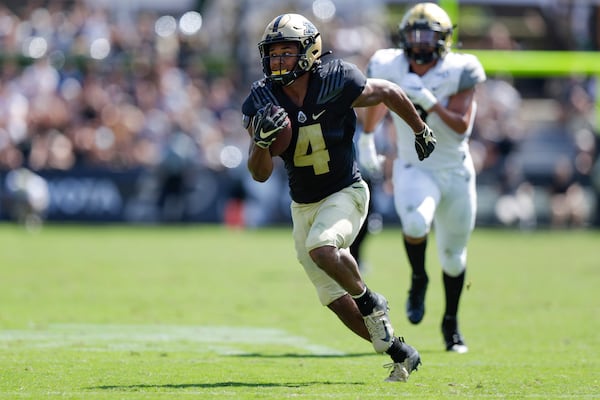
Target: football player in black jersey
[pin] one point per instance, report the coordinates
(329, 197)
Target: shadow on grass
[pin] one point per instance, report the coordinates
(295, 355)
(212, 385)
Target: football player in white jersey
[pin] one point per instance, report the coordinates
(439, 190)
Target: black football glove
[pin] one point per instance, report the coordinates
(267, 123)
(425, 143)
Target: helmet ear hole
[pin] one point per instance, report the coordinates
(303, 64)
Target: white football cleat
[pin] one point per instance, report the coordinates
(379, 326)
(402, 370)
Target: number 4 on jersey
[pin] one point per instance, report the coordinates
(311, 136)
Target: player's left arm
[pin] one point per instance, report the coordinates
(378, 91)
(457, 114)
(383, 91)
(458, 111)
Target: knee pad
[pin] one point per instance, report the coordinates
(454, 264)
(414, 225)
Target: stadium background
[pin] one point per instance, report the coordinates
(114, 111)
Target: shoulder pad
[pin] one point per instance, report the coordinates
(332, 81)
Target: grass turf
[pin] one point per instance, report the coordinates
(206, 312)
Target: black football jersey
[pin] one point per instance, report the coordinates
(320, 159)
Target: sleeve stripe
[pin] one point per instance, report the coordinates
(332, 85)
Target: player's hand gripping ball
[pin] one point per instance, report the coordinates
(272, 129)
(284, 137)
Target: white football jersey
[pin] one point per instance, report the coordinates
(452, 74)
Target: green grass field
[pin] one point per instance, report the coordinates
(207, 312)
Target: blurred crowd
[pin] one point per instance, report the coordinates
(65, 106)
(84, 85)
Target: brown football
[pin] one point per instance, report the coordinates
(283, 139)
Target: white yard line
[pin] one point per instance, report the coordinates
(105, 337)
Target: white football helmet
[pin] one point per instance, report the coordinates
(425, 33)
(291, 28)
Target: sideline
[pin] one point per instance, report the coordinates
(117, 337)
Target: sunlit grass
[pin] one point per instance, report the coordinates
(203, 311)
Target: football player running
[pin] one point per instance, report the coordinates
(329, 197)
(441, 189)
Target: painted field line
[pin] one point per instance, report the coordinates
(103, 337)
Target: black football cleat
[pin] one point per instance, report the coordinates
(452, 337)
(415, 304)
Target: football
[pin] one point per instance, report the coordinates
(283, 139)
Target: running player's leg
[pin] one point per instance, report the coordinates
(415, 197)
(454, 221)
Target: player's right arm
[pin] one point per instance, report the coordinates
(260, 163)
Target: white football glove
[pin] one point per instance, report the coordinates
(367, 155)
(417, 93)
